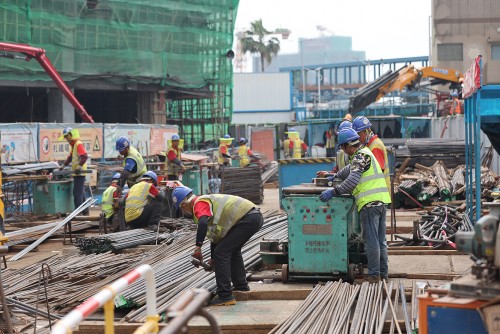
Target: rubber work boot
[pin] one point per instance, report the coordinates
(372, 279)
(217, 301)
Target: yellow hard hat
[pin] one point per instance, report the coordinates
(348, 117)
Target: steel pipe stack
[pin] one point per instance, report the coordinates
(114, 242)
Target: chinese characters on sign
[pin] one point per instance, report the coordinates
(317, 246)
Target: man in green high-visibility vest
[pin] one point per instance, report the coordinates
(364, 178)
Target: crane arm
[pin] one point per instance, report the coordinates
(39, 54)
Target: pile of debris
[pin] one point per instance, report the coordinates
(425, 185)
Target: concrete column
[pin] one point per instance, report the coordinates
(60, 110)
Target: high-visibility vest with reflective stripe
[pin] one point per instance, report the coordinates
(371, 186)
(378, 143)
(136, 200)
(75, 159)
(227, 210)
(243, 154)
(107, 201)
(297, 148)
(286, 148)
(172, 168)
(221, 158)
(141, 166)
(341, 159)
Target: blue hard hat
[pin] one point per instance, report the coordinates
(242, 140)
(150, 175)
(361, 123)
(122, 143)
(292, 130)
(347, 135)
(179, 194)
(67, 131)
(116, 176)
(176, 137)
(345, 125)
(226, 136)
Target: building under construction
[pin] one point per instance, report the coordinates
(161, 62)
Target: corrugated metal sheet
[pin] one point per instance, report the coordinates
(455, 129)
(261, 92)
(262, 117)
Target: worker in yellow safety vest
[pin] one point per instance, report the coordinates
(143, 203)
(228, 221)
(109, 204)
(245, 154)
(362, 126)
(224, 150)
(363, 178)
(173, 160)
(296, 147)
(78, 158)
(133, 163)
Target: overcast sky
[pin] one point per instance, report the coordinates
(381, 28)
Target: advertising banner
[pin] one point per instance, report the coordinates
(472, 78)
(52, 148)
(19, 142)
(138, 134)
(159, 137)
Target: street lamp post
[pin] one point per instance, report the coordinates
(303, 77)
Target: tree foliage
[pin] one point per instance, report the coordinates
(257, 40)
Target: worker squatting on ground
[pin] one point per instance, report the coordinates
(109, 204)
(365, 180)
(245, 154)
(342, 157)
(296, 147)
(224, 150)
(228, 222)
(78, 158)
(173, 161)
(133, 163)
(363, 126)
(143, 203)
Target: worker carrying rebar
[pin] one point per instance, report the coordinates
(362, 126)
(173, 160)
(143, 203)
(228, 222)
(364, 178)
(224, 150)
(133, 163)
(245, 154)
(78, 159)
(342, 158)
(296, 147)
(110, 196)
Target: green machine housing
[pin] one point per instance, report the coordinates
(323, 238)
(51, 197)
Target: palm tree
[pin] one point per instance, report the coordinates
(254, 41)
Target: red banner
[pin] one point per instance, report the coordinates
(472, 78)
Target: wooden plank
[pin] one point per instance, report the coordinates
(438, 277)
(423, 252)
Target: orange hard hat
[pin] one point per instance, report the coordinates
(348, 117)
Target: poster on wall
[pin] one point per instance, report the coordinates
(19, 143)
(52, 148)
(137, 134)
(160, 134)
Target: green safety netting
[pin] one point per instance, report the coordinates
(179, 44)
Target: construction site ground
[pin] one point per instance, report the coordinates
(271, 302)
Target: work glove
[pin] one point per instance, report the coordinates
(332, 177)
(211, 264)
(306, 154)
(183, 168)
(326, 195)
(197, 255)
(78, 169)
(61, 167)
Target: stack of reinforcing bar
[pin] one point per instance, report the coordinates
(113, 242)
(245, 182)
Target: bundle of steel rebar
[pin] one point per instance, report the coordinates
(113, 242)
(437, 228)
(458, 180)
(33, 233)
(245, 182)
(427, 151)
(443, 183)
(405, 192)
(427, 195)
(338, 307)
